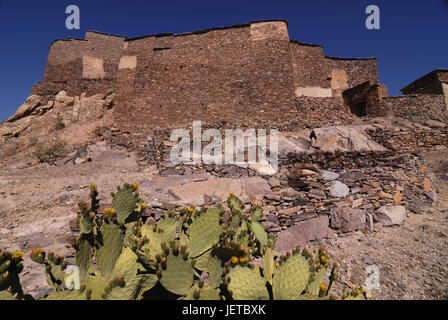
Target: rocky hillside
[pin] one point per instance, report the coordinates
(374, 192)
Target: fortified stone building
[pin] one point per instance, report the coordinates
(246, 74)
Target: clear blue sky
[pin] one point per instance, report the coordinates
(412, 40)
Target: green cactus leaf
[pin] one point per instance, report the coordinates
(125, 202)
(97, 284)
(235, 220)
(268, 265)
(319, 277)
(247, 284)
(134, 288)
(155, 240)
(205, 293)
(146, 283)
(127, 264)
(291, 278)
(256, 212)
(259, 232)
(178, 276)
(215, 269)
(55, 278)
(234, 203)
(86, 224)
(111, 245)
(84, 252)
(145, 260)
(65, 295)
(271, 243)
(169, 227)
(6, 295)
(204, 232)
(129, 231)
(202, 261)
(136, 283)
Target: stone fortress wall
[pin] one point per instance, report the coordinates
(248, 74)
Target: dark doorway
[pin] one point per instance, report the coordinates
(360, 109)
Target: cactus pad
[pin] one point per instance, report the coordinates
(110, 246)
(204, 293)
(177, 277)
(259, 232)
(318, 278)
(268, 264)
(125, 202)
(247, 284)
(291, 278)
(204, 232)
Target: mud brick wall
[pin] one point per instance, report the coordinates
(416, 107)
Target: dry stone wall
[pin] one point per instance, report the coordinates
(250, 74)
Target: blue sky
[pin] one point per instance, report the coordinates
(411, 42)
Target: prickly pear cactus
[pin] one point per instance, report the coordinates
(256, 212)
(291, 277)
(205, 231)
(268, 264)
(175, 268)
(258, 230)
(234, 203)
(134, 260)
(55, 266)
(11, 264)
(110, 239)
(202, 291)
(127, 203)
(244, 283)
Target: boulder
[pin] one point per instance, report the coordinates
(299, 234)
(391, 215)
(192, 193)
(343, 138)
(348, 219)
